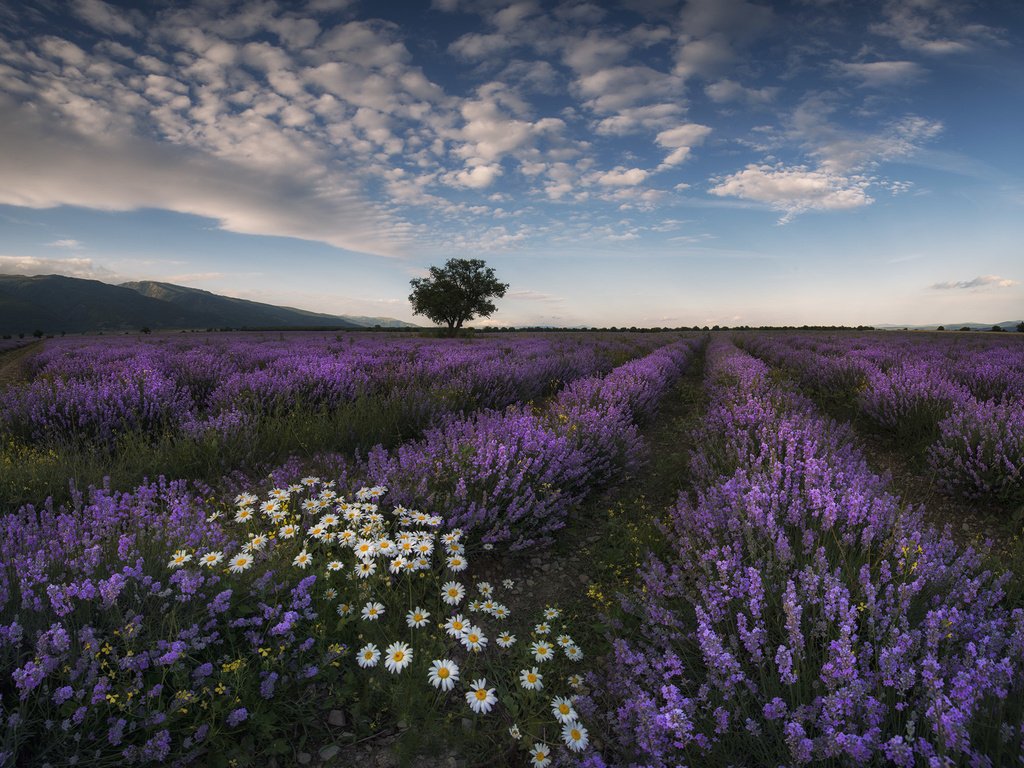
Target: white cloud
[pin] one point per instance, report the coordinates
(982, 281)
(621, 177)
(933, 28)
(480, 177)
(681, 140)
(795, 189)
(72, 244)
(881, 74)
(725, 91)
(105, 18)
(33, 265)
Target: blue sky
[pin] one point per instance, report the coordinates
(644, 163)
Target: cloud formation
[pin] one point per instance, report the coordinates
(794, 190)
(982, 281)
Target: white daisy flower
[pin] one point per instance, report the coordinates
(552, 613)
(508, 583)
(575, 736)
(514, 732)
(500, 611)
(335, 565)
(452, 592)
(179, 558)
(573, 653)
(246, 499)
(257, 542)
(481, 698)
(563, 641)
(302, 559)
(542, 651)
(506, 640)
(288, 531)
(365, 548)
(365, 568)
(244, 515)
(417, 618)
(211, 559)
(542, 629)
(240, 563)
(562, 709)
(485, 588)
(531, 679)
(372, 611)
(398, 564)
(368, 656)
(443, 674)
(330, 593)
(457, 563)
(399, 656)
(456, 626)
(474, 639)
(540, 756)
(345, 609)
(575, 681)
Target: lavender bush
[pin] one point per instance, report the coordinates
(801, 614)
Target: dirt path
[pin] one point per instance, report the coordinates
(12, 362)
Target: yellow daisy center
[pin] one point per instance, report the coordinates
(481, 694)
(575, 735)
(563, 708)
(443, 672)
(398, 656)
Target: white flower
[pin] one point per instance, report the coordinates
(562, 709)
(506, 640)
(563, 641)
(452, 592)
(302, 559)
(575, 736)
(531, 679)
(365, 568)
(508, 583)
(246, 499)
(335, 565)
(474, 639)
(481, 698)
(398, 564)
(240, 563)
(443, 674)
(456, 626)
(399, 656)
(243, 515)
(515, 733)
(417, 618)
(330, 593)
(257, 542)
(542, 651)
(457, 563)
(368, 656)
(288, 531)
(485, 588)
(500, 611)
(179, 558)
(345, 609)
(211, 559)
(540, 756)
(575, 682)
(573, 653)
(551, 613)
(542, 629)
(365, 548)
(372, 611)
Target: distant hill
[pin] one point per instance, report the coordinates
(1006, 325)
(55, 304)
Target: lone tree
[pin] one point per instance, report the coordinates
(459, 291)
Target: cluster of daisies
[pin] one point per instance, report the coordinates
(311, 515)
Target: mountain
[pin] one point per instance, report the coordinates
(55, 304)
(1006, 325)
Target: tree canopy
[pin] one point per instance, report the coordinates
(456, 293)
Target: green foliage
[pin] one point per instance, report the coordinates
(456, 293)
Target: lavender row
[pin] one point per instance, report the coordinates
(513, 476)
(801, 614)
(95, 391)
(966, 405)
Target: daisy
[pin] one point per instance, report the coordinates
(211, 559)
(365, 548)
(515, 733)
(540, 756)
(257, 542)
(398, 564)
(288, 531)
(508, 583)
(575, 736)
(552, 613)
(417, 618)
(365, 568)
(531, 679)
(485, 588)
(474, 639)
(563, 641)
(452, 592)
(309, 482)
(481, 698)
(443, 674)
(309, 505)
(386, 546)
(456, 626)
(542, 651)
(329, 520)
(352, 514)
(335, 565)
(240, 563)
(279, 494)
(246, 499)
(278, 515)
(506, 640)
(368, 656)
(457, 563)
(179, 558)
(500, 611)
(575, 681)
(562, 709)
(449, 538)
(317, 532)
(399, 657)
(302, 559)
(347, 537)
(345, 609)
(330, 593)
(268, 507)
(542, 629)
(244, 515)
(573, 653)
(474, 606)
(372, 611)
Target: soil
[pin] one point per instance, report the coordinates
(12, 362)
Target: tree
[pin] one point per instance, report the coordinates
(457, 292)
(1020, 327)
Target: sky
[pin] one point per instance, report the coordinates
(648, 163)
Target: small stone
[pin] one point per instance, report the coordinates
(337, 718)
(303, 758)
(402, 725)
(467, 724)
(584, 579)
(329, 752)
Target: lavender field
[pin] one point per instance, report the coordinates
(617, 549)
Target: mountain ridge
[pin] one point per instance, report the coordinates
(61, 304)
